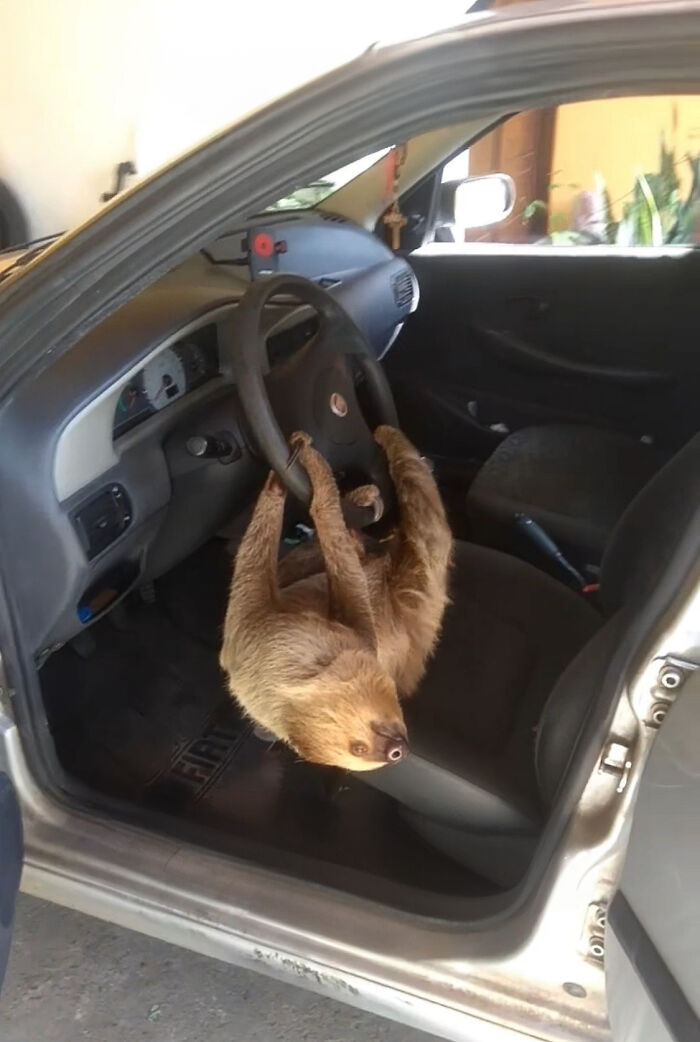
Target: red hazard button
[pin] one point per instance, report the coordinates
(263, 244)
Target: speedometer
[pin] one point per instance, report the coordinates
(164, 379)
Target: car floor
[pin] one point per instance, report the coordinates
(138, 710)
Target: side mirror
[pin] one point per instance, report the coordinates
(475, 202)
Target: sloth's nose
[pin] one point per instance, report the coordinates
(395, 750)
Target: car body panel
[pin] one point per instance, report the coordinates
(411, 970)
(652, 964)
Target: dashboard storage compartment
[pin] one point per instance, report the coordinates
(106, 590)
(102, 519)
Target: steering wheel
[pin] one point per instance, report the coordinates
(313, 391)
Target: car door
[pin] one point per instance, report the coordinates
(580, 307)
(10, 862)
(652, 947)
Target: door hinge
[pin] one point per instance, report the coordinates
(669, 680)
(593, 939)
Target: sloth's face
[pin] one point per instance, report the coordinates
(350, 716)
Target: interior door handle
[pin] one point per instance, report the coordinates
(519, 354)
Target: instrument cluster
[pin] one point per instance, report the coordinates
(173, 372)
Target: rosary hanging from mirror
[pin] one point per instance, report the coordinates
(393, 220)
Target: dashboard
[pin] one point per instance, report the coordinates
(105, 490)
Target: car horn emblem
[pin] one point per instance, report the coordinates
(338, 404)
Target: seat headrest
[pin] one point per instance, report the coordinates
(651, 526)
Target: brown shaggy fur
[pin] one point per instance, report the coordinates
(320, 647)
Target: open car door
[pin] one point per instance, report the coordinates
(10, 864)
(653, 936)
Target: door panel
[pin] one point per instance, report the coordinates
(642, 1019)
(653, 960)
(10, 864)
(535, 335)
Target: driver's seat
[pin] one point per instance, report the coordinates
(497, 719)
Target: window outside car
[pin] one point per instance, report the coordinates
(307, 196)
(621, 172)
(617, 172)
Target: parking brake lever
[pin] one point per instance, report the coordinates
(546, 545)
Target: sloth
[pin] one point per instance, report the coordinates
(321, 647)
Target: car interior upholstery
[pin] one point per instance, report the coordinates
(487, 758)
(138, 472)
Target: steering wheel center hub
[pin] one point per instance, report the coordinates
(314, 391)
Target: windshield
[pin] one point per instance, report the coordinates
(310, 195)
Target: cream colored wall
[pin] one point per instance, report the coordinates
(65, 88)
(617, 138)
(85, 84)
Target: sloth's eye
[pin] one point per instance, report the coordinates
(359, 749)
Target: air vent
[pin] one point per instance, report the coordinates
(402, 287)
(334, 218)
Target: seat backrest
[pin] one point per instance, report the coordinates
(637, 553)
(646, 534)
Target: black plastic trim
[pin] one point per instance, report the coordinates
(662, 987)
(11, 851)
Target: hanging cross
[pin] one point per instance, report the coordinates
(395, 221)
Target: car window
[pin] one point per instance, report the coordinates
(309, 195)
(622, 172)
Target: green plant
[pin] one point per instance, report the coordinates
(656, 214)
(535, 206)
